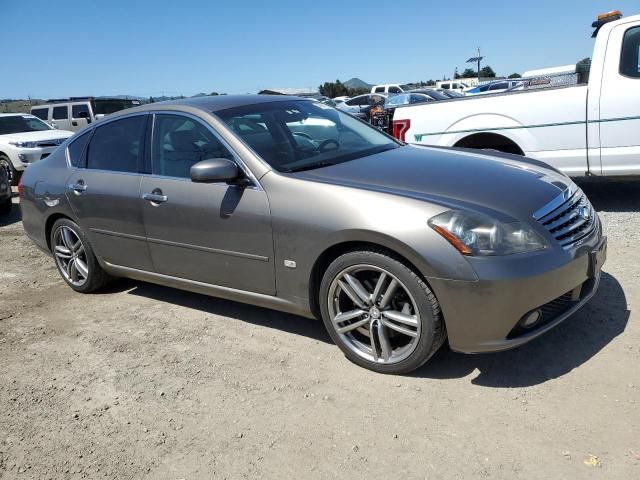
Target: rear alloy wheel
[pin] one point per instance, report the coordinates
(380, 313)
(74, 257)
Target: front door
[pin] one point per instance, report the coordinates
(214, 233)
(104, 191)
(60, 117)
(80, 116)
(619, 119)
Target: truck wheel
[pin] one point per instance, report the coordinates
(380, 312)
(12, 174)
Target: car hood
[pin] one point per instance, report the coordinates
(506, 186)
(36, 136)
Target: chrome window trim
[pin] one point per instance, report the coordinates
(238, 159)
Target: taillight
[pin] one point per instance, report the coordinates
(400, 128)
(20, 187)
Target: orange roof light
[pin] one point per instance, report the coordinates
(612, 13)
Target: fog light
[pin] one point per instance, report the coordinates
(22, 157)
(531, 318)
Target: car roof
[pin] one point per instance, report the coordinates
(222, 102)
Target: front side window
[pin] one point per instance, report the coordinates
(630, 58)
(76, 149)
(41, 113)
(394, 90)
(21, 123)
(379, 90)
(301, 135)
(180, 142)
(118, 145)
(80, 111)
(60, 113)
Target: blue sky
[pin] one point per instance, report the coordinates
(85, 47)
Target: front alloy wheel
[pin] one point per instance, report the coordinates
(380, 312)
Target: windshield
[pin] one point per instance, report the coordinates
(21, 123)
(106, 106)
(301, 135)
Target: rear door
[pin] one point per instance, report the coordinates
(214, 233)
(619, 117)
(60, 117)
(104, 190)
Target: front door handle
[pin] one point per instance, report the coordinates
(155, 197)
(78, 188)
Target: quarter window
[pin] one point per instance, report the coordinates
(180, 142)
(76, 149)
(630, 58)
(60, 113)
(41, 113)
(118, 145)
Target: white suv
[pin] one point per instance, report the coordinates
(25, 139)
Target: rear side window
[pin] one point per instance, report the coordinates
(379, 90)
(41, 113)
(630, 58)
(118, 146)
(180, 142)
(76, 149)
(394, 90)
(60, 113)
(80, 111)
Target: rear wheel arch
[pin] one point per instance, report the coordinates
(491, 141)
(48, 226)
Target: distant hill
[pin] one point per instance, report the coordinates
(357, 83)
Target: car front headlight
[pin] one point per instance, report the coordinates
(476, 234)
(23, 144)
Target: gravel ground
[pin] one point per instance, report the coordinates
(145, 381)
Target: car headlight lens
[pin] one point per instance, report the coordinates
(477, 234)
(23, 144)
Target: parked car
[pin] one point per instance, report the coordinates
(293, 205)
(450, 93)
(385, 118)
(432, 93)
(77, 112)
(326, 101)
(25, 139)
(341, 99)
(588, 128)
(361, 105)
(5, 192)
(453, 86)
(390, 88)
(492, 87)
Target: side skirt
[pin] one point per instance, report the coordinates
(243, 296)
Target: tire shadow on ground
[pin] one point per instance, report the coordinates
(551, 355)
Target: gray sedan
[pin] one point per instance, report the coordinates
(293, 205)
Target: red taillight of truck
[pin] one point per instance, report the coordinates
(400, 128)
(20, 187)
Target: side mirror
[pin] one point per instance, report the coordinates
(215, 170)
(83, 114)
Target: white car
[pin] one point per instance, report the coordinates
(25, 139)
(389, 88)
(589, 127)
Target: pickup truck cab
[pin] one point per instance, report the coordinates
(587, 128)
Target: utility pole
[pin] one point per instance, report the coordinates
(477, 59)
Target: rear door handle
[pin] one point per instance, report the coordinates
(154, 197)
(78, 187)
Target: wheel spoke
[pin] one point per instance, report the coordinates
(385, 347)
(358, 288)
(67, 239)
(353, 326)
(410, 320)
(70, 269)
(351, 294)
(350, 315)
(77, 246)
(372, 339)
(62, 252)
(81, 268)
(399, 329)
(378, 287)
(388, 294)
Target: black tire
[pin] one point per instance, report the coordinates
(97, 278)
(432, 329)
(5, 206)
(12, 174)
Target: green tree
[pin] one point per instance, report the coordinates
(431, 83)
(487, 72)
(152, 100)
(469, 73)
(214, 94)
(456, 75)
(515, 75)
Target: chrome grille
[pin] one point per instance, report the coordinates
(568, 218)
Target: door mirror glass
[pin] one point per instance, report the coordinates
(215, 170)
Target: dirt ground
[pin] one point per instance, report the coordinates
(143, 381)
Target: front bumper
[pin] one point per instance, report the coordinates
(484, 315)
(23, 157)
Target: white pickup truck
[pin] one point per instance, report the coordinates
(590, 128)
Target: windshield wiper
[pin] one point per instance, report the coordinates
(311, 166)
